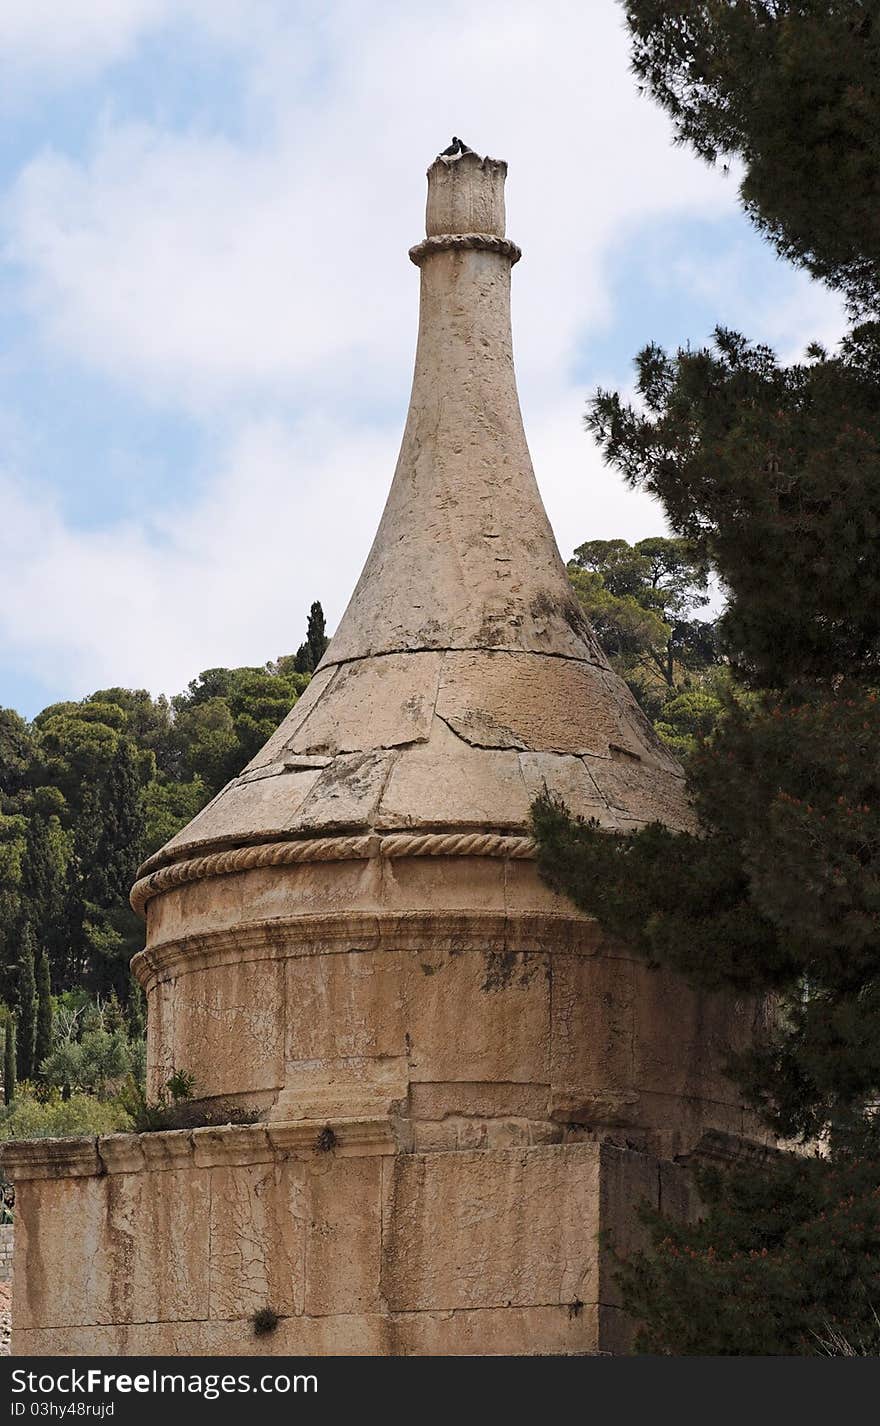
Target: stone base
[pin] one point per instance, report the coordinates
(169, 1243)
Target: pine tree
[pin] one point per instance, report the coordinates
(43, 1039)
(792, 87)
(9, 1057)
(774, 473)
(27, 1006)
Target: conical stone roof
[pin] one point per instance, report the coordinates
(463, 677)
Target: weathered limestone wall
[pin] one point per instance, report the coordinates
(7, 1239)
(450, 1015)
(169, 1243)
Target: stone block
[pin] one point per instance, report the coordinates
(230, 1017)
(129, 1247)
(489, 1100)
(559, 1330)
(477, 1016)
(259, 1221)
(564, 776)
(350, 1004)
(448, 782)
(372, 703)
(591, 1053)
(680, 1036)
(493, 1228)
(344, 1250)
(505, 700)
(443, 884)
(627, 1180)
(641, 792)
(346, 793)
(281, 739)
(326, 1090)
(248, 811)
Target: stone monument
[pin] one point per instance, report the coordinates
(441, 1080)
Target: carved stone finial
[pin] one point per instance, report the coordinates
(466, 195)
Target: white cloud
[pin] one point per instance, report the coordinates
(64, 42)
(799, 310)
(70, 40)
(228, 277)
(197, 269)
(226, 581)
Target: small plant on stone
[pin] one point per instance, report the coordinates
(265, 1320)
(180, 1085)
(150, 1118)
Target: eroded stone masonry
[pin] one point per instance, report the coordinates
(456, 1081)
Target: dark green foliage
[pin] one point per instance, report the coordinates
(43, 1038)
(164, 1113)
(225, 717)
(95, 1063)
(42, 876)
(787, 1253)
(16, 752)
(27, 1005)
(688, 718)
(641, 600)
(90, 789)
(781, 891)
(9, 1058)
(310, 653)
(792, 87)
(773, 474)
(168, 806)
(180, 1085)
(137, 1011)
(771, 471)
(148, 721)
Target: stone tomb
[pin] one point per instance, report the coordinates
(456, 1081)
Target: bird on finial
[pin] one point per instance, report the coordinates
(458, 146)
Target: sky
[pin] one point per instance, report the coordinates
(208, 316)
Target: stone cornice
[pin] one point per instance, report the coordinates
(328, 849)
(209, 1147)
(498, 932)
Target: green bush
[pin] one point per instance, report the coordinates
(51, 1117)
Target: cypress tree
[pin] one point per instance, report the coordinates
(9, 1059)
(42, 882)
(43, 1040)
(310, 653)
(137, 1013)
(27, 1006)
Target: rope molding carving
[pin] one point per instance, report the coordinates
(330, 849)
(456, 844)
(451, 242)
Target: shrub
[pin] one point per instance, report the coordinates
(51, 1117)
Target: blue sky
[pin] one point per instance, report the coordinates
(208, 316)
